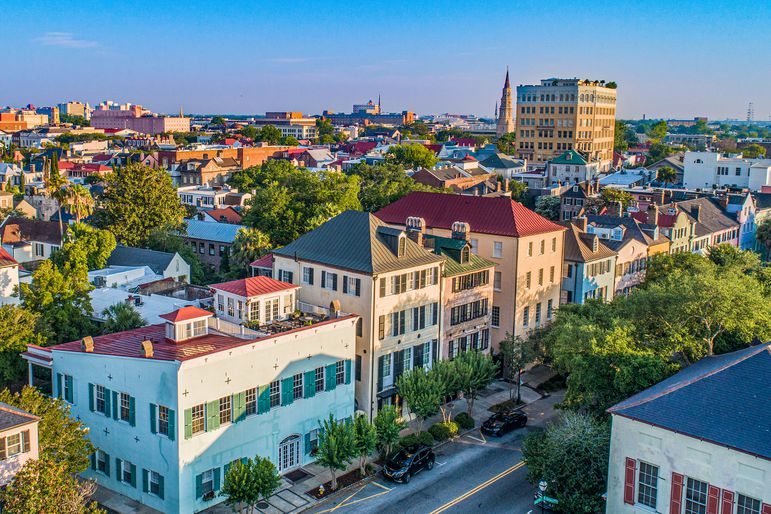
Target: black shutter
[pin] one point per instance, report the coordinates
(382, 287)
(417, 355)
(334, 281)
(323, 279)
(415, 318)
(358, 287)
(435, 350)
(310, 276)
(380, 373)
(398, 364)
(345, 284)
(423, 316)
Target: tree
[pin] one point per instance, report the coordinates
(17, 330)
(120, 317)
(270, 135)
(517, 353)
(619, 136)
(137, 200)
(56, 188)
(611, 196)
(79, 202)
(475, 372)
(44, 485)
(666, 175)
(753, 151)
(763, 235)
(218, 120)
(445, 373)
(421, 392)
(336, 446)
(571, 455)
(383, 184)
(657, 131)
(388, 423)
(164, 239)
(248, 482)
(506, 143)
(548, 207)
(249, 245)
(61, 438)
(364, 440)
(325, 130)
(658, 151)
(60, 298)
(250, 131)
(86, 246)
(519, 192)
(412, 155)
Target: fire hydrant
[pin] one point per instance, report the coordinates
(321, 490)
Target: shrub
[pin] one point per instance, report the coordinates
(421, 438)
(426, 438)
(443, 430)
(464, 421)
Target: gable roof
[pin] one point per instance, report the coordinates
(634, 230)
(569, 157)
(357, 241)
(501, 160)
(11, 416)
(18, 229)
(219, 232)
(130, 256)
(578, 246)
(253, 286)
(228, 215)
(724, 399)
(486, 215)
(266, 261)
(712, 218)
(451, 248)
(6, 259)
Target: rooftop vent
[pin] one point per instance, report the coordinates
(146, 349)
(87, 344)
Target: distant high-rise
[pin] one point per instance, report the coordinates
(505, 111)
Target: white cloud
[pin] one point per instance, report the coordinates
(64, 39)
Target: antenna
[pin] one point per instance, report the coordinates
(751, 112)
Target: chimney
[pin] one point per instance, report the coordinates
(87, 344)
(506, 185)
(724, 201)
(461, 230)
(696, 212)
(415, 229)
(498, 186)
(581, 223)
(146, 349)
(653, 215)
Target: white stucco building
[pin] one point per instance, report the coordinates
(703, 170)
(255, 300)
(9, 279)
(18, 441)
(698, 442)
(170, 406)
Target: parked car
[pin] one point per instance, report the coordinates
(409, 461)
(503, 422)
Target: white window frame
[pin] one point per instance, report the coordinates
(154, 479)
(497, 249)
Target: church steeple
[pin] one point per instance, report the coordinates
(507, 85)
(505, 121)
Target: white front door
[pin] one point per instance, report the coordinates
(289, 453)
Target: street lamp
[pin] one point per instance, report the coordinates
(542, 485)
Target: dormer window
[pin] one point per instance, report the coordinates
(464, 255)
(402, 246)
(617, 233)
(195, 328)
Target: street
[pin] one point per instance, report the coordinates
(473, 473)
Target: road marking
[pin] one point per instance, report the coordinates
(381, 486)
(440, 463)
(343, 502)
(476, 439)
(478, 488)
(347, 503)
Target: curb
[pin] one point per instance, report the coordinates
(366, 480)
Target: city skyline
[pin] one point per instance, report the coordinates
(247, 58)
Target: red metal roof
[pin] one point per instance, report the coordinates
(229, 214)
(6, 259)
(496, 215)
(185, 314)
(253, 286)
(266, 261)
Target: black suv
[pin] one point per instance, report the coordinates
(503, 422)
(409, 461)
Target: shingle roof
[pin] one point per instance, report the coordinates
(578, 246)
(357, 241)
(634, 230)
(219, 232)
(253, 286)
(130, 256)
(228, 214)
(11, 416)
(17, 228)
(712, 218)
(762, 201)
(724, 399)
(496, 215)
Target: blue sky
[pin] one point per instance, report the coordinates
(673, 59)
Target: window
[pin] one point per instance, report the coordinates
(207, 482)
(319, 379)
(13, 445)
(398, 320)
(254, 311)
(275, 393)
(386, 371)
(307, 275)
(198, 417)
(540, 277)
(124, 472)
(101, 406)
(474, 246)
(211, 249)
(551, 275)
(526, 317)
(538, 314)
(543, 246)
(155, 483)
(102, 462)
(530, 249)
(125, 407)
(251, 401)
(497, 281)
(496, 317)
(528, 278)
(297, 386)
(226, 413)
(695, 497)
(67, 384)
(427, 354)
(339, 372)
(313, 438)
(498, 249)
(747, 505)
(329, 280)
(352, 286)
(549, 309)
(285, 276)
(647, 489)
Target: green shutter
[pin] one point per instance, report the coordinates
(118, 469)
(287, 394)
(114, 405)
(188, 423)
(133, 475)
(263, 403)
(161, 486)
(91, 397)
(153, 419)
(106, 463)
(172, 425)
(212, 415)
(59, 389)
(145, 480)
(132, 411)
(107, 395)
(216, 479)
(308, 442)
(348, 371)
(330, 377)
(199, 485)
(309, 384)
(70, 391)
(93, 458)
(239, 406)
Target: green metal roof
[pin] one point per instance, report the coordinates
(569, 157)
(450, 248)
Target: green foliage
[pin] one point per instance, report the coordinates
(465, 421)
(336, 446)
(62, 438)
(388, 423)
(419, 438)
(548, 207)
(383, 184)
(666, 175)
(619, 136)
(60, 298)
(79, 202)
(445, 374)
(475, 371)
(444, 430)
(364, 440)
(44, 485)
(517, 353)
(85, 246)
(17, 330)
(79, 121)
(412, 155)
(166, 240)
(572, 456)
(421, 392)
(249, 482)
(137, 200)
(611, 196)
(121, 317)
(519, 192)
(249, 245)
(270, 134)
(657, 131)
(217, 120)
(753, 151)
(86, 137)
(507, 143)
(658, 151)
(291, 201)
(763, 234)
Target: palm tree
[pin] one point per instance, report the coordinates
(666, 175)
(80, 203)
(121, 317)
(248, 245)
(55, 187)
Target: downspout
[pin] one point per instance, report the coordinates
(373, 381)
